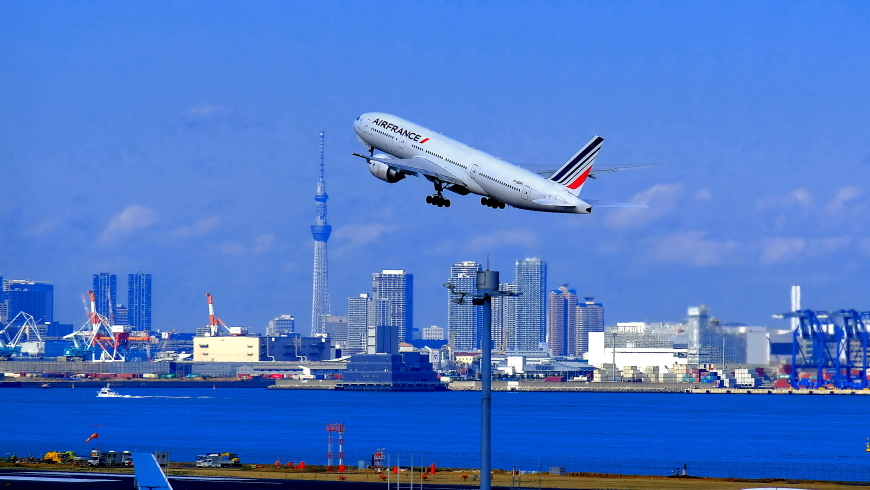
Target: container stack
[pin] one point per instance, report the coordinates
(651, 374)
(747, 378)
(607, 372)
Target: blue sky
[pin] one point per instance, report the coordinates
(181, 139)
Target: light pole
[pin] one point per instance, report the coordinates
(487, 288)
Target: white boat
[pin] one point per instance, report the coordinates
(108, 392)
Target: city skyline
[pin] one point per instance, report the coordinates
(204, 129)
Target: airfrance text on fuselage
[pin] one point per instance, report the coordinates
(400, 131)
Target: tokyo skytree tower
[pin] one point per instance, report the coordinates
(320, 231)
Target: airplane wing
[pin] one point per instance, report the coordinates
(416, 165)
(612, 204)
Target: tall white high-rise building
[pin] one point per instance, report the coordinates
(531, 305)
(463, 320)
(504, 317)
(357, 324)
(320, 232)
(396, 287)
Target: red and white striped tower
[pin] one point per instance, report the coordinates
(330, 428)
(341, 448)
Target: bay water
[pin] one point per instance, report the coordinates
(742, 436)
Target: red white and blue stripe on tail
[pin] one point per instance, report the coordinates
(576, 170)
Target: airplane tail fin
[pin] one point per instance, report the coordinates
(576, 170)
(148, 475)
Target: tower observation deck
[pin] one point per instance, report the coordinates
(320, 232)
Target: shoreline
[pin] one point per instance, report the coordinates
(497, 386)
(454, 477)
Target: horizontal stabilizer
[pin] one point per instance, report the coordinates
(416, 165)
(612, 204)
(546, 201)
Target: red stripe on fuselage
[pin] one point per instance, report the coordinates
(579, 180)
(424, 140)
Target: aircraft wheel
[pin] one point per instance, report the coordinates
(501, 205)
(484, 201)
(447, 203)
(428, 199)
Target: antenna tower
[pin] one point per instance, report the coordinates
(320, 232)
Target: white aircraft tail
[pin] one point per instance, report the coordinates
(148, 475)
(576, 170)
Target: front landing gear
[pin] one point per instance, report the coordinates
(438, 199)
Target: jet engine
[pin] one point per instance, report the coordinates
(384, 172)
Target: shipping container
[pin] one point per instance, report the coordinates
(276, 376)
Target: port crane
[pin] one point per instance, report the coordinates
(12, 346)
(98, 332)
(215, 323)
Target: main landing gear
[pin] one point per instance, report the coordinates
(492, 202)
(438, 199)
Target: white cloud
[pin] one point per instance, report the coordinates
(233, 248)
(356, 236)
(781, 249)
(132, 219)
(703, 195)
(262, 243)
(692, 247)
(505, 237)
(661, 200)
(259, 245)
(844, 196)
(796, 197)
(207, 111)
(198, 228)
(46, 226)
(789, 249)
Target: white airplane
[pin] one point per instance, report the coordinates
(414, 150)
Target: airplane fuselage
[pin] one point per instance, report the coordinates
(479, 172)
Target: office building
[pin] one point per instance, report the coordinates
(504, 317)
(531, 305)
(433, 333)
(463, 320)
(335, 327)
(357, 324)
(281, 326)
(3, 307)
(696, 324)
(105, 288)
(139, 301)
(122, 315)
(562, 322)
(379, 314)
(396, 287)
(35, 298)
(590, 318)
